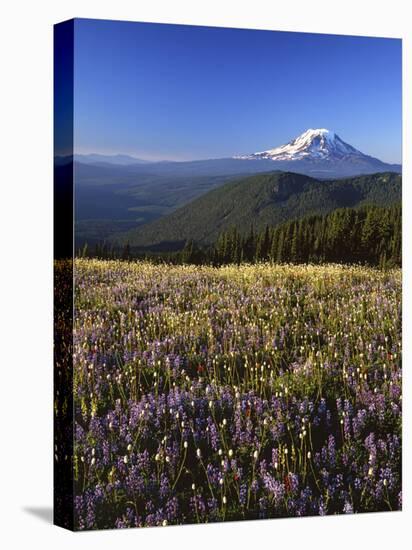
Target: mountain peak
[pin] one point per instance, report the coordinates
(313, 133)
(318, 131)
(313, 144)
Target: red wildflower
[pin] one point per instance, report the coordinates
(288, 486)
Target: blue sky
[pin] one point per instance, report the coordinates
(183, 92)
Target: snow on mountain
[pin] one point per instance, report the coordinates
(314, 144)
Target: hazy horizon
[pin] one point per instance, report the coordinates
(137, 156)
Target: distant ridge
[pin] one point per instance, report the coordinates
(260, 200)
(96, 158)
(319, 153)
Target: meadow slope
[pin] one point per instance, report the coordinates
(209, 394)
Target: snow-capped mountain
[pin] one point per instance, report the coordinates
(314, 144)
(320, 153)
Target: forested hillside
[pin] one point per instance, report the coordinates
(260, 200)
(368, 235)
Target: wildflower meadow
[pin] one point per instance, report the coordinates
(206, 394)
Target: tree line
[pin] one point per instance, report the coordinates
(370, 235)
